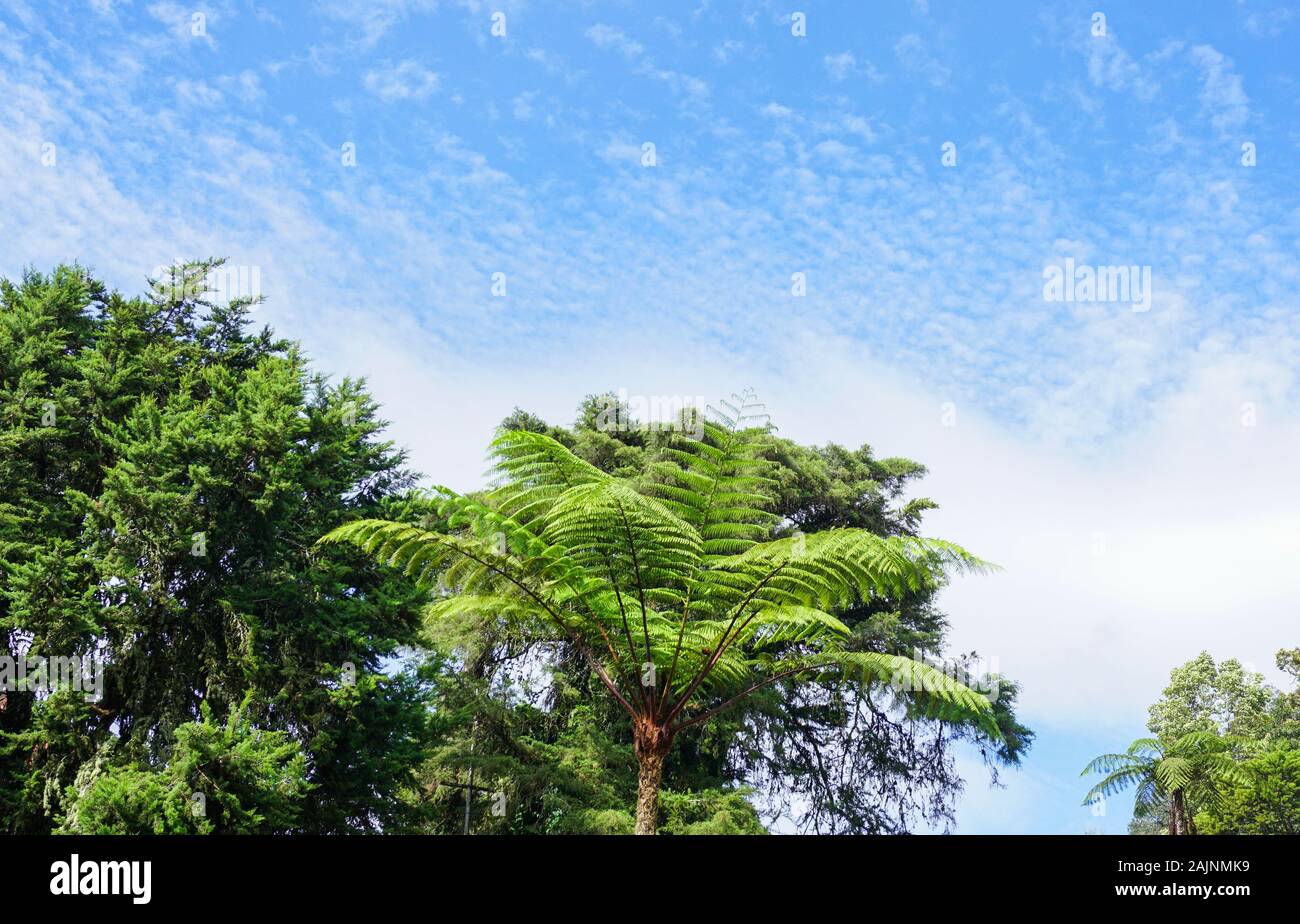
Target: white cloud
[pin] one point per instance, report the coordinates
(401, 81)
(246, 85)
(856, 125)
(726, 50)
(840, 66)
(1268, 23)
(1109, 65)
(624, 153)
(839, 154)
(374, 18)
(1222, 94)
(523, 105)
(608, 37)
(915, 59)
(683, 84)
(197, 93)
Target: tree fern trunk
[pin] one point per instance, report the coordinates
(652, 747)
(1177, 814)
(647, 794)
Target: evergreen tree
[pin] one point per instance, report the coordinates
(164, 474)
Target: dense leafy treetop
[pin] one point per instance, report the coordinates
(165, 471)
(164, 474)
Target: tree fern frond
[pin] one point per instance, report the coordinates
(717, 481)
(536, 470)
(1107, 763)
(1173, 773)
(1145, 746)
(1147, 798)
(674, 574)
(1115, 782)
(832, 568)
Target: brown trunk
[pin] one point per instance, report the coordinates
(652, 745)
(1177, 814)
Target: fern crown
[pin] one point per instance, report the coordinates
(667, 585)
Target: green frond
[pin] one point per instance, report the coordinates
(1199, 741)
(740, 412)
(717, 483)
(1147, 798)
(676, 574)
(1222, 767)
(1108, 763)
(941, 695)
(912, 683)
(1146, 746)
(830, 569)
(1174, 773)
(512, 609)
(636, 541)
(536, 470)
(489, 553)
(1117, 782)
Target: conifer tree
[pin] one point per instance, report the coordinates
(165, 470)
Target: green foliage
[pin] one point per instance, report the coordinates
(242, 780)
(1194, 768)
(165, 471)
(1204, 696)
(826, 487)
(580, 781)
(709, 812)
(1286, 707)
(678, 581)
(1265, 799)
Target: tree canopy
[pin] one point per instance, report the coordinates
(810, 749)
(1224, 759)
(167, 471)
(667, 587)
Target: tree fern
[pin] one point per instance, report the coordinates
(665, 588)
(1192, 768)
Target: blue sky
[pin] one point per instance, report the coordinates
(1129, 469)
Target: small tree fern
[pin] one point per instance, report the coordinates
(665, 587)
(1191, 768)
